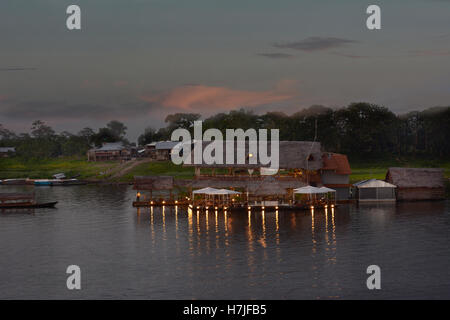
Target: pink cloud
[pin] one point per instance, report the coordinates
(191, 97)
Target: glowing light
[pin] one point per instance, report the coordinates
(176, 201)
(249, 208)
(312, 207)
(276, 208)
(263, 207)
(250, 155)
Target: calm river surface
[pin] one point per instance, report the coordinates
(127, 254)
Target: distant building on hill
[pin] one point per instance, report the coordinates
(110, 151)
(417, 183)
(6, 152)
(161, 150)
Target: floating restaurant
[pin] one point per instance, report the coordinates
(253, 185)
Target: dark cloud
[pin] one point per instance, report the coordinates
(315, 44)
(275, 55)
(63, 110)
(17, 69)
(351, 56)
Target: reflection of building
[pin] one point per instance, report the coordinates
(5, 152)
(417, 183)
(374, 190)
(110, 151)
(335, 174)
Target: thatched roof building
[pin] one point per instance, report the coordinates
(292, 155)
(417, 183)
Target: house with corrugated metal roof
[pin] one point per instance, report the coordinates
(110, 151)
(5, 152)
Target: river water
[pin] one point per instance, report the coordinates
(125, 253)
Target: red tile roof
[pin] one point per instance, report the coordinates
(336, 162)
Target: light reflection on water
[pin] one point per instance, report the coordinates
(171, 252)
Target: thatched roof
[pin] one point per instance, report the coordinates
(416, 177)
(292, 155)
(336, 162)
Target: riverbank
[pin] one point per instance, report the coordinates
(95, 172)
(123, 172)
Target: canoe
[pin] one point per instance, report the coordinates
(14, 181)
(27, 205)
(42, 182)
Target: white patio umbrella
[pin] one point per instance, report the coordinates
(325, 189)
(207, 190)
(226, 191)
(309, 190)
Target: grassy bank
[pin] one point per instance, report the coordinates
(103, 171)
(45, 168)
(377, 168)
(117, 172)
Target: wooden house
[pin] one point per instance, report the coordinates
(417, 183)
(110, 151)
(6, 152)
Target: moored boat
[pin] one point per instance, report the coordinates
(22, 200)
(42, 182)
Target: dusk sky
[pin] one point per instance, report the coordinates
(138, 60)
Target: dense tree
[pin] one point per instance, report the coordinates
(40, 130)
(117, 128)
(181, 120)
(104, 135)
(150, 135)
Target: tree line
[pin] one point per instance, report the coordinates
(43, 142)
(359, 130)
